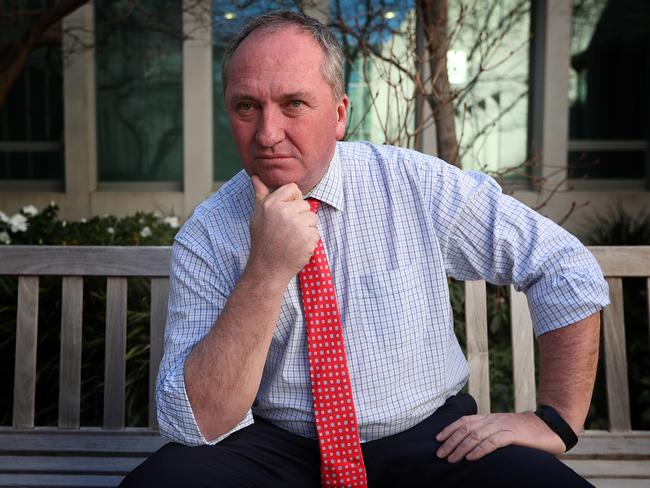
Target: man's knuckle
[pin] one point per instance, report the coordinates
(267, 204)
(491, 443)
(465, 425)
(482, 449)
(475, 435)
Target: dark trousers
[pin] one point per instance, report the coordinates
(263, 455)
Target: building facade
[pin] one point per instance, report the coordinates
(132, 118)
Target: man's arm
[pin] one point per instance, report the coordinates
(568, 360)
(224, 370)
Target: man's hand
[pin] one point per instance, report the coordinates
(568, 359)
(473, 436)
(283, 230)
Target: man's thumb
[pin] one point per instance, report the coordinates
(261, 190)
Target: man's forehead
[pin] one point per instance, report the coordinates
(280, 61)
(281, 43)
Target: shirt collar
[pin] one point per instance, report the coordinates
(330, 187)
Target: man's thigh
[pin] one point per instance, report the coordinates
(409, 459)
(264, 455)
(255, 456)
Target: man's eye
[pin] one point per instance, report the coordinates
(245, 107)
(296, 103)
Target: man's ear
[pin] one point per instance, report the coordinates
(342, 114)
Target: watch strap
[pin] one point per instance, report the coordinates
(557, 424)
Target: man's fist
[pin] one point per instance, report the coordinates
(284, 231)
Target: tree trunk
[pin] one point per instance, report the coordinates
(433, 15)
(16, 60)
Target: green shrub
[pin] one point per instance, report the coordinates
(617, 227)
(33, 227)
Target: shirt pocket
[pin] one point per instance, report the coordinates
(390, 306)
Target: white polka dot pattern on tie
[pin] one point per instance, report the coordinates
(336, 423)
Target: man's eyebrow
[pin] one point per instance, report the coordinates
(296, 95)
(242, 96)
(239, 97)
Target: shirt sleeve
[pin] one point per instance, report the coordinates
(491, 236)
(198, 292)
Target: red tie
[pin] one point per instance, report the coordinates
(336, 421)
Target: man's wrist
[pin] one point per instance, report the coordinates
(266, 278)
(557, 424)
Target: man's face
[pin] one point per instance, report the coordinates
(282, 112)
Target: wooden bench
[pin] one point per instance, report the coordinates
(70, 455)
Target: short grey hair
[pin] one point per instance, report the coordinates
(332, 66)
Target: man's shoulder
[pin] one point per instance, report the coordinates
(392, 157)
(230, 204)
(231, 197)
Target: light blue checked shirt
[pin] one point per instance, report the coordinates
(395, 223)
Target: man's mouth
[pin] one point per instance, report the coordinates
(272, 156)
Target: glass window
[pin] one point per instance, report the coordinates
(139, 90)
(608, 94)
(31, 119)
(377, 38)
(487, 61)
(488, 65)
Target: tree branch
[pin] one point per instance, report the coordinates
(19, 55)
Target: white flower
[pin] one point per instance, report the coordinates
(145, 232)
(18, 223)
(64, 223)
(30, 210)
(3, 217)
(83, 221)
(110, 230)
(171, 221)
(4, 238)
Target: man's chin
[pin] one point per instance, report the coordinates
(273, 182)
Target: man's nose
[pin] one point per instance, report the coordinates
(270, 129)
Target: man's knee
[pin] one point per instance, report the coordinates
(259, 455)
(524, 466)
(172, 465)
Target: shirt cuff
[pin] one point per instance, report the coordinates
(176, 417)
(565, 300)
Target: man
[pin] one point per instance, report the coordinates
(260, 281)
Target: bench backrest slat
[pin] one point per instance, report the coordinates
(623, 261)
(618, 397)
(70, 362)
(85, 260)
(523, 352)
(115, 359)
(477, 344)
(26, 340)
(647, 288)
(159, 293)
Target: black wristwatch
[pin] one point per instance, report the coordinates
(558, 425)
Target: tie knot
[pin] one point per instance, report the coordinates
(314, 204)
